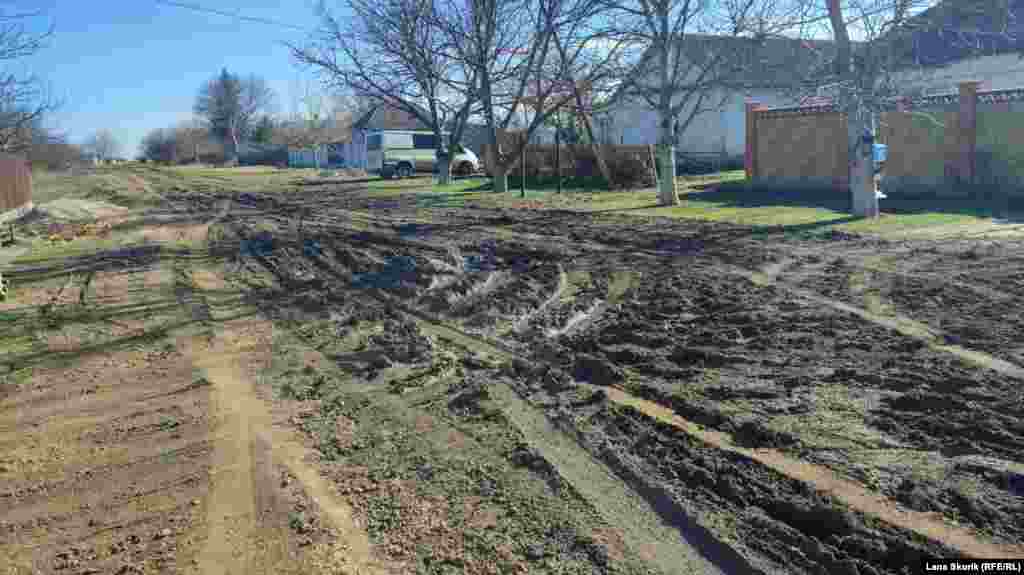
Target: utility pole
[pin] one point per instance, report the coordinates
(522, 163)
(558, 148)
(522, 157)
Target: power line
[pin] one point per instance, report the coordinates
(236, 16)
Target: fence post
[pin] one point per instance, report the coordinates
(968, 132)
(654, 165)
(750, 152)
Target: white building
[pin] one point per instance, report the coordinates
(962, 40)
(765, 73)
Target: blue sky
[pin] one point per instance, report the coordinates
(135, 65)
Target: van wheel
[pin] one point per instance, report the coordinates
(403, 171)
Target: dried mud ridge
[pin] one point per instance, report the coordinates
(769, 355)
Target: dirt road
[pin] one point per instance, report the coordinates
(398, 389)
(695, 321)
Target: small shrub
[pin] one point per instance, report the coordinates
(630, 171)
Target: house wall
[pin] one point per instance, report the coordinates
(999, 72)
(355, 150)
(724, 129)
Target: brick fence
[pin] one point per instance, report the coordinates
(956, 145)
(15, 186)
(796, 146)
(948, 144)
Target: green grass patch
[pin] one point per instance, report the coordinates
(384, 187)
(725, 197)
(19, 344)
(124, 187)
(459, 186)
(42, 249)
(18, 377)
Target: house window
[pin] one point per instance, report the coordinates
(424, 141)
(374, 142)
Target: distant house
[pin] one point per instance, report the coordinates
(765, 73)
(380, 117)
(97, 160)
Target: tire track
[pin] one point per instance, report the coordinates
(897, 322)
(855, 495)
(563, 283)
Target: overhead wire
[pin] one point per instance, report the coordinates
(235, 15)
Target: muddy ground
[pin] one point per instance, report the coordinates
(495, 391)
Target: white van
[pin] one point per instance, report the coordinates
(392, 153)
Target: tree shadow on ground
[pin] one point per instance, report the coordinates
(977, 202)
(549, 184)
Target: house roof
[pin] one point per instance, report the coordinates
(386, 117)
(959, 29)
(769, 63)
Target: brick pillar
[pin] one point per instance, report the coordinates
(750, 153)
(967, 136)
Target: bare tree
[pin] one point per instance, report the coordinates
(345, 111)
(695, 55)
(24, 98)
(529, 57)
(231, 105)
(102, 144)
(51, 150)
(188, 137)
(159, 146)
(395, 52)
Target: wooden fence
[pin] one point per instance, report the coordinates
(630, 165)
(15, 186)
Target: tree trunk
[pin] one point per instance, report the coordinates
(500, 178)
(442, 157)
(444, 170)
(667, 165)
(602, 165)
(232, 151)
(863, 199)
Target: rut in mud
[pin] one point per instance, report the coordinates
(748, 360)
(581, 393)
